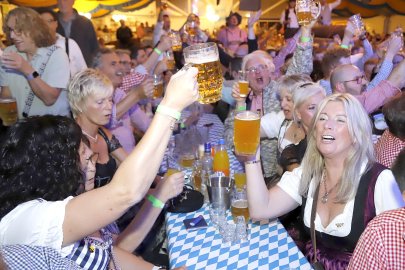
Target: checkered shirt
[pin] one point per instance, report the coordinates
(387, 148)
(382, 244)
(19, 257)
(131, 80)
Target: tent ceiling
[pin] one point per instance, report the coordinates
(367, 8)
(98, 8)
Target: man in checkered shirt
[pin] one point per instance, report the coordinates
(382, 244)
(393, 139)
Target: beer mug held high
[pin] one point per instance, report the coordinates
(205, 57)
(307, 11)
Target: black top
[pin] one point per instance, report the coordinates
(105, 172)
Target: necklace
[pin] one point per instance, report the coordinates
(324, 198)
(88, 135)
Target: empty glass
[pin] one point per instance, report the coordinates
(358, 24)
(217, 212)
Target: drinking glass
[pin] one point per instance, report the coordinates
(205, 57)
(8, 111)
(239, 205)
(157, 86)
(240, 180)
(305, 11)
(358, 24)
(170, 63)
(243, 84)
(217, 210)
(246, 133)
(176, 40)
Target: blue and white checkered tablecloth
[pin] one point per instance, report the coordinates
(268, 247)
(216, 132)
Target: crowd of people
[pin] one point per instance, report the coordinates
(71, 166)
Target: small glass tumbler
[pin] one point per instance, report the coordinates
(217, 211)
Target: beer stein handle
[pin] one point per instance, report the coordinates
(318, 5)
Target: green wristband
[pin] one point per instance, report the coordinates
(159, 52)
(344, 46)
(305, 39)
(241, 108)
(155, 201)
(168, 111)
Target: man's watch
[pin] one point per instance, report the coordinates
(32, 76)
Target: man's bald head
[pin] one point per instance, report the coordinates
(347, 79)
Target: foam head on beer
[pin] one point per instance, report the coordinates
(205, 58)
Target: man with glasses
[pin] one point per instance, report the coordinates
(349, 79)
(259, 67)
(76, 59)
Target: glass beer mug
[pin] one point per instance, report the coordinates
(305, 11)
(205, 57)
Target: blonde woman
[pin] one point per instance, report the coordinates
(339, 162)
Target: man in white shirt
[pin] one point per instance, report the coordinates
(76, 59)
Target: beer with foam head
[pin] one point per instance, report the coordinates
(246, 135)
(304, 8)
(243, 84)
(205, 58)
(8, 111)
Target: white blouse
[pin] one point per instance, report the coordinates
(387, 196)
(36, 223)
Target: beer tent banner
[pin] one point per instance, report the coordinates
(97, 8)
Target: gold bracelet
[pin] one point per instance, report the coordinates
(252, 162)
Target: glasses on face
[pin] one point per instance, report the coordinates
(253, 70)
(357, 79)
(93, 159)
(16, 32)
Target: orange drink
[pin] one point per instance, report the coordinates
(246, 136)
(240, 180)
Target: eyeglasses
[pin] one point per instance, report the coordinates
(93, 158)
(357, 79)
(253, 70)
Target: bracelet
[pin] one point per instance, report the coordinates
(159, 52)
(344, 46)
(305, 39)
(252, 162)
(155, 267)
(169, 112)
(155, 201)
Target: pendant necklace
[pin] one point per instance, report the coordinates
(91, 137)
(324, 198)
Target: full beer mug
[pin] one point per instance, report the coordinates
(205, 57)
(8, 111)
(304, 10)
(246, 136)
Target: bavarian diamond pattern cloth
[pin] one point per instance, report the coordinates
(268, 246)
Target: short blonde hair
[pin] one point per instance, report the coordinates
(303, 92)
(84, 84)
(359, 126)
(289, 82)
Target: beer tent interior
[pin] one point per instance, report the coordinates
(382, 15)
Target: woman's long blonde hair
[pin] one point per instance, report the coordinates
(362, 152)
